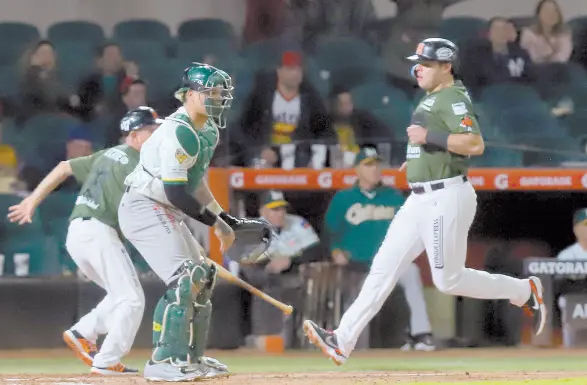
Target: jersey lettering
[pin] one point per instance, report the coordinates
(358, 213)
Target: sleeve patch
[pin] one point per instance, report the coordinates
(180, 155)
(459, 108)
(188, 140)
(467, 123)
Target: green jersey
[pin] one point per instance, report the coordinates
(357, 221)
(176, 153)
(102, 176)
(448, 110)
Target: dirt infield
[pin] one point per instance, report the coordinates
(335, 376)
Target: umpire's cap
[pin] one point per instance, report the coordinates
(435, 49)
(139, 118)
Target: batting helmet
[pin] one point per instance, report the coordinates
(138, 118)
(205, 78)
(435, 49)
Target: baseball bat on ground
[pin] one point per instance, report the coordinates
(228, 276)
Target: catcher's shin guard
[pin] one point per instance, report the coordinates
(172, 330)
(201, 318)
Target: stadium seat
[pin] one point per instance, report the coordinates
(262, 56)
(498, 157)
(553, 151)
(345, 52)
(18, 32)
(57, 205)
(12, 52)
(141, 29)
(163, 77)
(576, 122)
(198, 49)
(459, 29)
(75, 31)
(205, 29)
(319, 79)
(529, 121)
(9, 82)
(509, 95)
(142, 50)
(75, 60)
(578, 27)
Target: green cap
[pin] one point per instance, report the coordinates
(580, 217)
(367, 153)
(274, 199)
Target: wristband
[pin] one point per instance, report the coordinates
(437, 138)
(207, 217)
(214, 207)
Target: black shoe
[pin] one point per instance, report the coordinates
(325, 340)
(535, 306)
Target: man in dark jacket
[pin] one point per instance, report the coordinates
(281, 111)
(496, 59)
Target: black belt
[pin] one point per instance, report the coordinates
(433, 186)
(127, 189)
(86, 218)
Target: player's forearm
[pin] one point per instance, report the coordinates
(57, 176)
(178, 195)
(205, 197)
(465, 144)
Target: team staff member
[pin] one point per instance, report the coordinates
(356, 223)
(438, 213)
(94, 244)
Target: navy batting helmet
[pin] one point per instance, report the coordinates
(139, 118)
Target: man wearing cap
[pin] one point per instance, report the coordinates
(356, 223)
(437, 215)
(94, 244)
(295, 243)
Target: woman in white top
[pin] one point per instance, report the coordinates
(550, 39)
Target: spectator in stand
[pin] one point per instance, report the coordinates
(40, 88)
(281, 110)
(354, 127)
(550, 39)
(101, 89)
(496, 59)
(133, 93)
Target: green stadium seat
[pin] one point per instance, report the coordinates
(205, 28)
(163, 77)
(77, 30)
(12, 52)
(262, 56)
(318, 78)
(345, 52)
(198, 49)
(141, 29)
(19, 32)
(141, 50)
(529, 121)
(509, 95)
(9, 82)
(566, 150)
(578, 27)
(576, 122)
(459, 29)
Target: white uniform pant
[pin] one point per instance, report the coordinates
(438, 222)
(101, 256)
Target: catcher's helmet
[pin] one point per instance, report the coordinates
(215, 83)
(138, 118)
(435, 49)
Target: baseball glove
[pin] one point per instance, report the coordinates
(252, 239)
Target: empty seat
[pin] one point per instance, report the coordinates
(498, 157)
(12, 52)
(163, 77)
(19, 32)
(507, 94)
(140, 51)
(141, 29)
(459, 29)
(529, 121)
(263, 55)
(344, 52)
(198, 49)
(76, 30)
(205, 28)
(9, 82)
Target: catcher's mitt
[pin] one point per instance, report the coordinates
(252, 239)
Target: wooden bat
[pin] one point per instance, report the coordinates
(228, 276)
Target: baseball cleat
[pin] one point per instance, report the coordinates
(535, 306)
(83, 348)
(325, 340)
(215, 369)
(166, 372)
(421, 342)
(114, 370)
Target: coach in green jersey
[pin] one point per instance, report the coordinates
(94, 244)
(438, 214)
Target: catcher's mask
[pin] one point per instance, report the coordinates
(251, 242)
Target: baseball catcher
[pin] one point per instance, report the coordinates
(159, 196)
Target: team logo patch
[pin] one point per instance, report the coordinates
(180, 155)
(444, 53)
(420, 49)
(459, 108)
(467, 123)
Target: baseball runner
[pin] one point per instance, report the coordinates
(94, 244)
(437, 215)
(158, 197)
(357, 221)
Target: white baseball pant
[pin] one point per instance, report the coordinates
(101, 256)
(436, 221)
